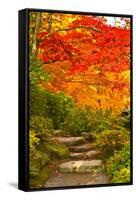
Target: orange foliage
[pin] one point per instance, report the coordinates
(87, 59)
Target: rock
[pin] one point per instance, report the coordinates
(77, 155)
(58, 132)
(87, 135)
(76, 179)
(82, 148)
(84, 155)
(99, 178)
(70, 140)
(91, 154)
(82, 166)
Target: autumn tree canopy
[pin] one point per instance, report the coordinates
(87, 57)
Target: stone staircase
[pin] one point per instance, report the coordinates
(81, 168)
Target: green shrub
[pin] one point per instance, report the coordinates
(101, 120)
(37, 103)
(84, 119)
(123, 120)
(122, 176)
(77, 121)
(48, 105)
(56, 150)
(39, 180)
(118, 166)
(33, 140)
(36, 73)
(41, 149)
(37, 159)
(42, 126)
(57, 107)
(109, 141)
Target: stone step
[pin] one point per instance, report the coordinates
(76, 179)
(92, 154)
(82, 166)
(84, 155)
(70, 140)
(58, 132)
(82, 148)
(77, 155)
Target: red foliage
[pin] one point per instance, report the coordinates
(88, 42)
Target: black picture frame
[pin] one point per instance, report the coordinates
(23, 144)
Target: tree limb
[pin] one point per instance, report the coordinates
(85, 82)
(78, 27)
(72, 28)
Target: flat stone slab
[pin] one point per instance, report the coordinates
(70, 140)
(82, 148)
(77, 155)
(84, 155)
(75, 179)
(82, 166)
(58, 132)
(92, 154)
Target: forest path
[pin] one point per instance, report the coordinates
(83, 167)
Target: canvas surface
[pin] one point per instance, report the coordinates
(79, 99)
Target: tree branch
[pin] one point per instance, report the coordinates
(52, 61)
(85, 82)
(72, 28)
(78, 27)
(66, 50)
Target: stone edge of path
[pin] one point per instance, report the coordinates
(82, 166)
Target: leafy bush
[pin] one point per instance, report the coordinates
(36, 73)
(77, 121)
(49, 105)
(118, 166)
(84, 119)
(57, 107)
(123, 120)
(122, 176)
(101, 120)
(37, 102)
(37, 160)
(41, 149)
(40, 129)
(39, 180)
(109, 141)
(42, 126)
(56, 150)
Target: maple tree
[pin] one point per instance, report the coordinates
(88, 58)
